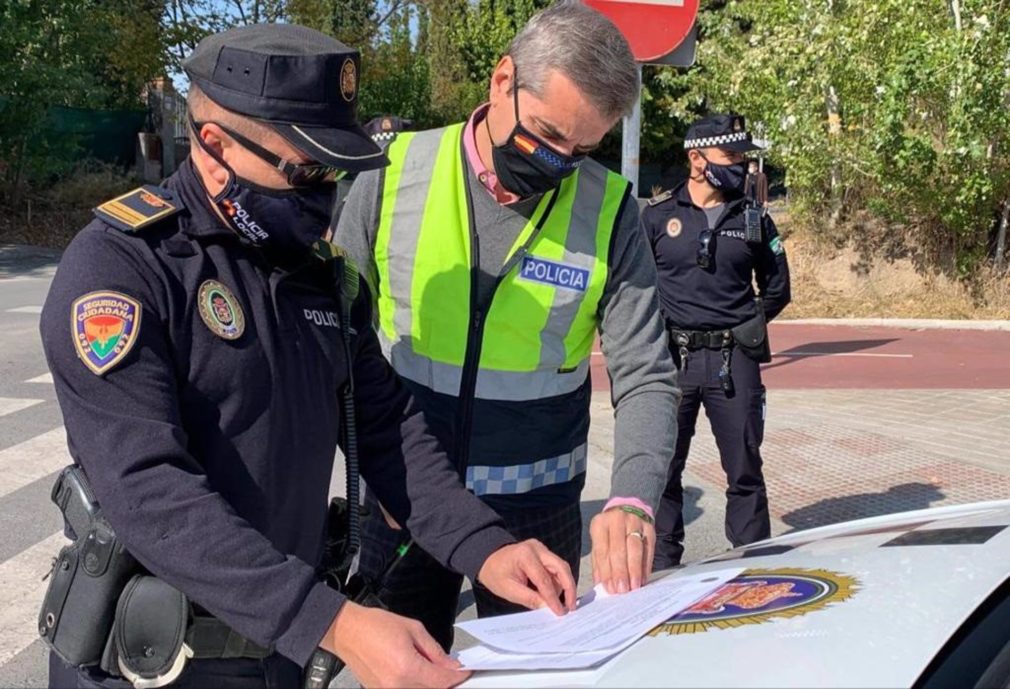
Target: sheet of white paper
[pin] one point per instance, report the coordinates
(484, 658)
(601, 622)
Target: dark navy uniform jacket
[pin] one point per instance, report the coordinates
(211, 457)
(722, 295)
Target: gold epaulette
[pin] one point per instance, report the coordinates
(139, 208)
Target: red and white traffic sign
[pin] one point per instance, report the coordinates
(654, 28)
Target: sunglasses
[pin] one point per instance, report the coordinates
(704, 256)
(298, 174)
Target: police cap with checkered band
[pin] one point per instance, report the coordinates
(300, 82)
(727, 131)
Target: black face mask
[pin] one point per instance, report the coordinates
(525, 164)
(282, 222)
(728, 179)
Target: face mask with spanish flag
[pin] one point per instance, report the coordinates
(527, 165)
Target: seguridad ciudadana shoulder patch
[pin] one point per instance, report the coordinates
(105, 325)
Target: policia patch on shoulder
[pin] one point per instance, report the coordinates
(105, 325)
(139, 208)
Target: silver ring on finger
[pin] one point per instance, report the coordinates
(637, 534)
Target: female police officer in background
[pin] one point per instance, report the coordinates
(708, 257)
(194, 343)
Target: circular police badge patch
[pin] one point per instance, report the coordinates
(220, 310)
(674, 227)
(348, 80)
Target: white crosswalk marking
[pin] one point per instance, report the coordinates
(21, 591)
(26, 309)
(33, 459)
(9, 405)
(44, 378)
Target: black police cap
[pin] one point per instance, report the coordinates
(385, 124)
(299, 81)
(728, 131)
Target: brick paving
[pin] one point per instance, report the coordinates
(834, 455)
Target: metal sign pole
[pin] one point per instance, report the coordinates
(631, 141)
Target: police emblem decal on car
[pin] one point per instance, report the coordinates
(759, 595)
(220, 310)
(105, 325)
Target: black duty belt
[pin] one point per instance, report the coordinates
(211, 638)
(687, 341)
(701, 339)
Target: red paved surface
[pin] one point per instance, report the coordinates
(878, 358)
(970, 359)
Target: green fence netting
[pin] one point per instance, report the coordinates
(108, 135)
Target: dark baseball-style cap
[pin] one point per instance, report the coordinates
(728, 131)
(300, 82)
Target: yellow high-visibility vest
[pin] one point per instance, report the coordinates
(535, 340)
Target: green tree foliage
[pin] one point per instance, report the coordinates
(467, 40)
(393, 39)
(895, 106)
(396, 78)
(185, 22)
(73, 53)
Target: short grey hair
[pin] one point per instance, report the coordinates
(203, 108)
(583, 45)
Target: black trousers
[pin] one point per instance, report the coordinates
(738, 426)
(274, 672)
(423, 590)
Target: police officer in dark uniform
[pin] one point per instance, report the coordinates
(712, 240)
(195, 333)
(384, 128)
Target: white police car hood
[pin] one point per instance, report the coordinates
(867, 603)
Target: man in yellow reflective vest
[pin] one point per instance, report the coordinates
(497, 250)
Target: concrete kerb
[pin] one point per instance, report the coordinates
(902, 323)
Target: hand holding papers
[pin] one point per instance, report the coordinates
(600, 627)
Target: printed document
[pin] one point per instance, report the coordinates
(600, 627)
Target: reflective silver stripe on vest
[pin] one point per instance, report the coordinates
(411, 195)
(508, 386)
(522, 478)
(580, 250)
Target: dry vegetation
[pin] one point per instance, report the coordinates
(50, 217)
(865, 270)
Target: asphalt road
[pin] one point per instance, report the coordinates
(839, 396)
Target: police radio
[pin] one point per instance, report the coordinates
(756, 195)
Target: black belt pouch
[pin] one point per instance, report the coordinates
(752, 338)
